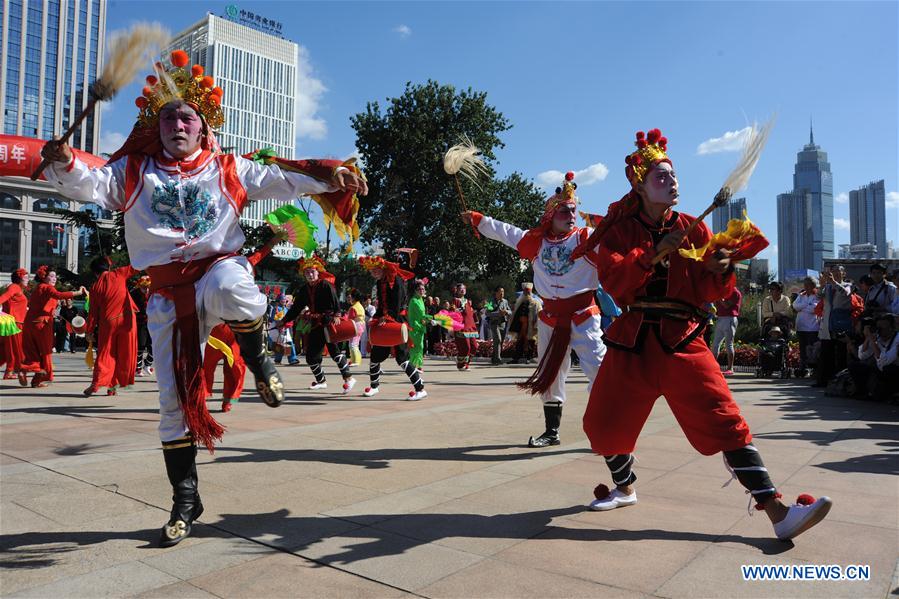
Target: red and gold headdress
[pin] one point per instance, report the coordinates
(651, 149)
(391, 269)
(193, 87)
(315, 261)
(311, 261)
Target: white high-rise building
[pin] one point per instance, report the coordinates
(258, 73)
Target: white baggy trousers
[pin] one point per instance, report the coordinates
(586, 341)
(226, 292)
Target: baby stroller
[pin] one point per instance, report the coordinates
(773, 355)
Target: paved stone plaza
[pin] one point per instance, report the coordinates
(350, 497)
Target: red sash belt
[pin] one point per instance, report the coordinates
(176, 281)
(562, 312)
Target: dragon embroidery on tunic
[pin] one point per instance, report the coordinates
(187, 208)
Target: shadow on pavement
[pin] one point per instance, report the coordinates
(381, 458)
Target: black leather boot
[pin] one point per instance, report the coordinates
(181, 466)
(553, 416)
(250, 336)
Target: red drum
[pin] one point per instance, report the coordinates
(389, 334)
(78, 325)
(344, 331)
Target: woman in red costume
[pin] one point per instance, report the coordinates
(14, 302)
(37, 336)
(113, 315)
(656, 347)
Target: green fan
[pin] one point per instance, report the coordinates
(295, 222)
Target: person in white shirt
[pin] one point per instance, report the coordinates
(882, 294)
(876, 374)
(182, 198)
(570, 318)
(807, 322)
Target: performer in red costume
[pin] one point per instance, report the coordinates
(182, 199)
(113, 315)
(14, 303)
(222, 345)
(656, 346)
(37, 336)
(467, 337)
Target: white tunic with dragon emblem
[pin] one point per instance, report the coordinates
(175, 215)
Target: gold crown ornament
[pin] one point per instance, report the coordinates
(312, 261)
(177, 83)
(652, 149)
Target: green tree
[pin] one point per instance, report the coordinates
(411, 200)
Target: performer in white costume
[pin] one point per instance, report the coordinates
(570, 318)
(182, 199)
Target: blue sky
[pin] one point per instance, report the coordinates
(577, 79)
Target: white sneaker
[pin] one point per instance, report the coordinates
(151, 370)
(316, 385)
(371, 391)
(802, 517)
(141, 372)
(416, 395)
(614, 499)
(348, 385)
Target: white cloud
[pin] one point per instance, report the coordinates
(731, 141)
(309, 94)
(893, 199)
(111, 141)
(588, 176)
(841, 224)
(842, 198)
(403, 31)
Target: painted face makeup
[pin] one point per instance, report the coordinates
(660, 185)
(180, 128)
(311, 274)
(565, 218)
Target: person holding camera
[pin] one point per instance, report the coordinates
(876, 374)
(498, 312)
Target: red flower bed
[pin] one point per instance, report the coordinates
(748, 355)
(484, 348)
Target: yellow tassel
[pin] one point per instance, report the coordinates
(89, 355)
(222, 347)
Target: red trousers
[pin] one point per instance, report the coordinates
(628, 385)
(466, 346)
(37, 348)
(116, 354)
(234, 374)
(11, 351)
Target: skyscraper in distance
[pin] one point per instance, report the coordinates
(812, 176)
(721, 215)
(867, 216)
(52, 51)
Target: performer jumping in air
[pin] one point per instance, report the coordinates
(570, 318)
(37, 336)
(656, 346)
(316, 303)
(390, 281)
(113, 315)
(14, 302)
(467, 337)
(182, 199)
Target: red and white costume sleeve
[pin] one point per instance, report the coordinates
(567, 289)
(184, 215)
